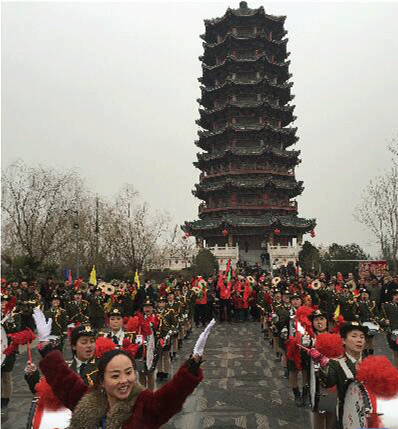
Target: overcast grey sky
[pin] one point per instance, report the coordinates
(110, 89)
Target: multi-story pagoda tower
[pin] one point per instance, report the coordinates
(247, 181)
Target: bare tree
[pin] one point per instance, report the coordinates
(35, 203)
(180, 246)
(378, 211)
(131, 234)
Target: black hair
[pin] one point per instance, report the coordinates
(107, 357)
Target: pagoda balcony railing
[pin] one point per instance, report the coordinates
(292, 207)
(236, 171)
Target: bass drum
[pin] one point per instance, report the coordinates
(357, 406)
(42, 418)
(322, 400)
(4, 342)
(387, 408)
(152, 354)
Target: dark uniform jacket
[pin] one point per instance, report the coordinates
(78, 312)
(390, 312)
(348, 308)
(88, 371)
(334, 375)
(59, 321)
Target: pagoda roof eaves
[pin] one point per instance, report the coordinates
(266, 220)
(232, 58)
(230, 35)
(244, 12)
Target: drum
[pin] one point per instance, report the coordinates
(373, 328)
(388, 412)
(150, 358)
(356, 407)
(4, 343)
(322, 400)
(42, 418)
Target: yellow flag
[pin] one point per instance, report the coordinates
(93, 277)
(337, 313)
(137, 279)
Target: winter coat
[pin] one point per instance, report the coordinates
(143, 409)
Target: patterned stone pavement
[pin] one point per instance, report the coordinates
(243, 386)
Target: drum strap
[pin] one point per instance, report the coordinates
(348, 373)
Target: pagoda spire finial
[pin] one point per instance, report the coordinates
(243, 5)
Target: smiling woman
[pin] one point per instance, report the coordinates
(118, 400)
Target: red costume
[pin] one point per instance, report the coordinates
(150, 410)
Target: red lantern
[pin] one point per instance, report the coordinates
(277, 231)
(224, 232)
(312, 233)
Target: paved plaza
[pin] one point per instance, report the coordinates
(243, 386)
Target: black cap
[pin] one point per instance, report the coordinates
(317, 313)
(116, 312)
(147, 302)
(55, 296)
(363, 290)
(81, 331)
(352, 326)
(394, 292)
(162, 299)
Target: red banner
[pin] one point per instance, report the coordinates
(376, 268)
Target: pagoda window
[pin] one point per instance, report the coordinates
(244, 31)
(250, 200)
(245, 54)
(244, 98)
(246, 144)
(246, 120)
(246, 76)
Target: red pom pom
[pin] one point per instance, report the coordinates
(103, 345)
(293, 351)
(303, 312)
(132, 324)
(130, 348)
(45, 393)
(379, 375)
(330, 345)
(18, 339)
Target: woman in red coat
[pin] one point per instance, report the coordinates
(118, 400)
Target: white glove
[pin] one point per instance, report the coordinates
(201, 342)
(43, 327)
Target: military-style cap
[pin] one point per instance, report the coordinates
(148, 302)
(317, 313)
(162, 299)
(81, 331)
(352, 326)
(116, 312)
(55, 296)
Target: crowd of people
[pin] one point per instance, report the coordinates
(144, 326)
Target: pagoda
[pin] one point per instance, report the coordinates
(247, 182)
